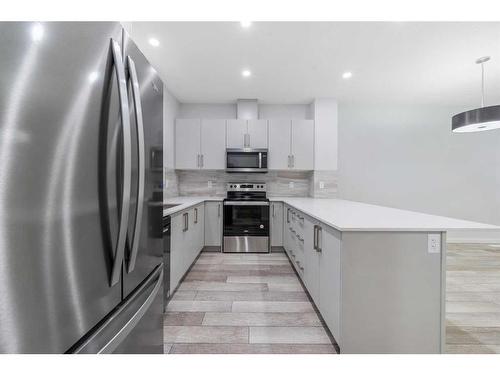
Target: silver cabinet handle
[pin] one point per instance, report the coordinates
(317, 230)
(218, 210)
(315, 237)
(287, 215)
(186, 222)
(273, 210)
(320, 239)
(127, 164)
(198, 164)
(293, 161)
(202, 161)
(289, 164)
(136, 93)
(196, 215)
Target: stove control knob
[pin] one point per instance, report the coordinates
(261, 226)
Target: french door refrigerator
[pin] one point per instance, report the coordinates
(80, 254)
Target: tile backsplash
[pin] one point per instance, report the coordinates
(278, 182)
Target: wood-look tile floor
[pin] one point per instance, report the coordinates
(473, 299)
(243, 303)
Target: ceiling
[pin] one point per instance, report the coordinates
(294, 62)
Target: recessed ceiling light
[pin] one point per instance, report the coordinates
(347, 75)
(154, 42)
(37, 32)
(245, 24)
(246, 73)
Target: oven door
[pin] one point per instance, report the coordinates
(246, 160)
(246, 226)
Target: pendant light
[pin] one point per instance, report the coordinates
(480, 119)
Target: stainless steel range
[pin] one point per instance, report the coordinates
(246, 218)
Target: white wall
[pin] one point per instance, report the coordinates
(285, 111)
(207, 111)
(228, 111)
(407, 157)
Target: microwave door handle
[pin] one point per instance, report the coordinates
(127, 164)
(260, 160)
(136, 94)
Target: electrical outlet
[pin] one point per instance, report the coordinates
(321, 184)
(291, 185)
(209, 184)
(434, 243)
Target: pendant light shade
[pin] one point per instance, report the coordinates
(479, 119)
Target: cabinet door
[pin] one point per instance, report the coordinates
(286, 223)
(235, 133)
(312, 261)
(279, 144)
(213, 223)
(303, 144)
(199, 220)
(257, 132)
(329, 278)
(276, 224)
(213, 144)
(187, 143)
(187, 253)
(176, 251)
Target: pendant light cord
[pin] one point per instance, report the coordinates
(482, 85)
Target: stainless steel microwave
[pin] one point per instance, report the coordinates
(246, 160)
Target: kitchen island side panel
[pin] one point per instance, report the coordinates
(392, 293)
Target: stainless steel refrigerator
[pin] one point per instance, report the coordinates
(81, 119)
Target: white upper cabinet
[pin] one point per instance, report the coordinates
(200, 144)
(187, 143)
(246, 133)
(236, 133)
(302, 144)
(213, 144)
(291, 144)
(257, 134)
(279, 144)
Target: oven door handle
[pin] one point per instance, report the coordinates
(244, 203)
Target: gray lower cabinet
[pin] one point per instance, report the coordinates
(329, 246)
(177, 241)
(213, 223)
(187, 239)
(276, 224)
(314, 250)
(312, 261)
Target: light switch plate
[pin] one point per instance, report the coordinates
(291, 184)
(434, 243)
(321, 185)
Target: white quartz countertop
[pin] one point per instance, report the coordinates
(355, 216)
(187, 202)
(346, 215)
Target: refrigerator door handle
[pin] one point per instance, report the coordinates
(127, 163)
(110, 333)
(136, 94)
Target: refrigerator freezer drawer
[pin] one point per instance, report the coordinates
(111, 334)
